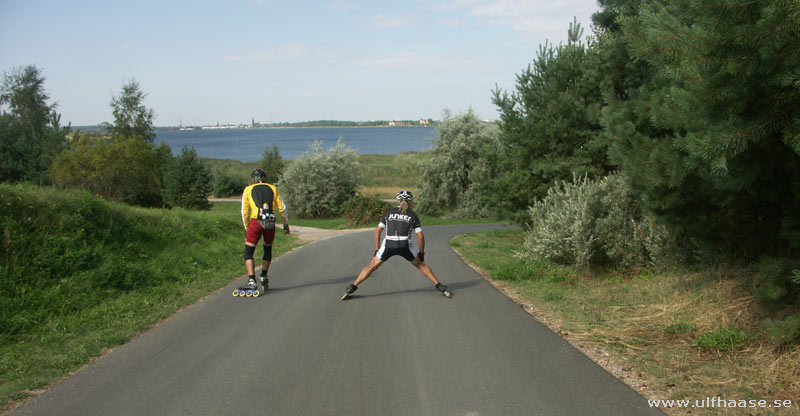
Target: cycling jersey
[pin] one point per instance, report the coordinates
(261, 195)
(398, 227)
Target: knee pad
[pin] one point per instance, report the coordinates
(267, 253)
(248, 252)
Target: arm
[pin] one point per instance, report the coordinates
(421, 239)
(282, 208)
(378, 231)
(245, 208)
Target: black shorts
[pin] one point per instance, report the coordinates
(396, 248)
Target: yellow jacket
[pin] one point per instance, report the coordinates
(260, 195)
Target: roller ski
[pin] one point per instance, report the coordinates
(249, 290)
(349, 291)
(443, 288)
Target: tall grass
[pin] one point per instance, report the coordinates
(80, 275)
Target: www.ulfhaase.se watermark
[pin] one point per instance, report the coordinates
(720, 403)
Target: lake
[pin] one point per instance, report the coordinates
(246, 145)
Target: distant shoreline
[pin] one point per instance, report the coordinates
(200, 128)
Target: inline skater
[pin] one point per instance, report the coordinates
(259, 201)
(399, 223)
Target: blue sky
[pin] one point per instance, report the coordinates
(205, 62)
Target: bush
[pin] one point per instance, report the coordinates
(362, 210)
(188, 182)
(125, 170)
(586, 222)
(783, 332)
(272, 163)
(723, 339)
(455, 179)
(776, 284)
(226, 184)
(317, 183)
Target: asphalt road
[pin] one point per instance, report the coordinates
(397, 347)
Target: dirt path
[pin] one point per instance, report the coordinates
(312, 234)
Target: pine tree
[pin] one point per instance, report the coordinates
(550, 124)
(712, 139)
(131, 117)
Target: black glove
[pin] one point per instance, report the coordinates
(286, 228)
(421, 257)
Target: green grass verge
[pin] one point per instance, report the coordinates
(677, 335)
(81, 276)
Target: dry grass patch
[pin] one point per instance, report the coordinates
(669, 336)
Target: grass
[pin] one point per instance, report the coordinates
(81, 276)
(680, 335)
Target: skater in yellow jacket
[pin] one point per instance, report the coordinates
(259, 202)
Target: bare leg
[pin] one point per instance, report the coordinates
(367, 271)
(249, 264)
(425, 269)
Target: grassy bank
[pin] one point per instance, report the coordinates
(81, 275)
(670, 336)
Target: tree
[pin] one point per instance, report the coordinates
(459, 176)
(131, 117)
(30, 133)
(188, 182)
(551, 123)
(272, 163)
(712, 139)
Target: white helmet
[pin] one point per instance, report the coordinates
(405, 195)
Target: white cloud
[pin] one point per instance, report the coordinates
(342, 5)
(451, 23)
(454, 4)
(422, 62)
(385, 21)
(533, 18)
(286, 52)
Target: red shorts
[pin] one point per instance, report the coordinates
(255, 231)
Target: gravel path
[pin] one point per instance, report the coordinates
(312, 234)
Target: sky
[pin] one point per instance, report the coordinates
(214, 62)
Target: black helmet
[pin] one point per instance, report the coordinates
(405, 195)
(258, 174)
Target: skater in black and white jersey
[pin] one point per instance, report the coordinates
(398, 223)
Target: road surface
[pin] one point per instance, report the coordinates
(397, 347)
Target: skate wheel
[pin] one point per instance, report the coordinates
(249, 293)
(256, 293)
(447, 294)
(241, 293)
(235, 292)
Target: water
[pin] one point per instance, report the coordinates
(246, 145)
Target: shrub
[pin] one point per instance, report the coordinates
(317, 183)
(783, 332)
(679, 328)
(455, 179)
(776, 285)
(123, 169)
(188, 182)
(723, 339)
(362, 210)
(272, 163)
(587, 222)
(226, 184)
